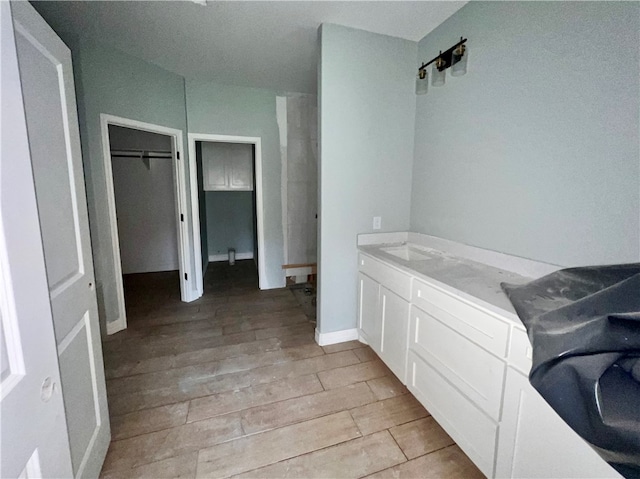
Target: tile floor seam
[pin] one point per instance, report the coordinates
(434, 451)
(300, 455)
(396, 442)
(149, 432)
(281, 361)
(299, 422)
(223, 391)
(115, 441)
(354, 421)
(204, 362)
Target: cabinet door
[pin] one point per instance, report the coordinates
(240, 172)
(534, 442)
(215, 174)
(369, 320)
(395, 332)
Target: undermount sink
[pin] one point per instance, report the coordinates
(405, 252)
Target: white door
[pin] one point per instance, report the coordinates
(52, 125)
(33, 430)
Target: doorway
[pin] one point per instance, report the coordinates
(226, 196)
(214, 177)
(146, 194)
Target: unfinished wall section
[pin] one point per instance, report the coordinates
(298, 125)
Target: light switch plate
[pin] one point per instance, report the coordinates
(377, 222)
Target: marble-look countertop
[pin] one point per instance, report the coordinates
(475, 281)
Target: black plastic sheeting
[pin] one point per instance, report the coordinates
(584, 326)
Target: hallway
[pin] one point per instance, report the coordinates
(234, 384)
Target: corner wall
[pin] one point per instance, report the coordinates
(535, 151)
(367, 107)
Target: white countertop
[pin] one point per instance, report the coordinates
(471, 273)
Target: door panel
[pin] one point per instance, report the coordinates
(33, 430)
(78, 380)
(41, 84)
(49, 102)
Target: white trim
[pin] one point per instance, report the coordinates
(195, 206)
(115, 326)
(180, 187)
(214, 258)
(325, 339)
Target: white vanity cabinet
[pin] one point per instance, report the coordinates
(468, 365)
(228, 173)
(534, 442)
(383, 312)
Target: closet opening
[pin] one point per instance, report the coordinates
(146, 197)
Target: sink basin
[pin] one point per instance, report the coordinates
(406, 253)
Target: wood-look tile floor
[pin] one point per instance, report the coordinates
(234, 385)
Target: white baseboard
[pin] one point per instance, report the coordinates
(117, 325)
(225, 257)
(325, 339)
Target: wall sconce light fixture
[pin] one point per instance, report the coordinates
(455, 57)
(422, 82)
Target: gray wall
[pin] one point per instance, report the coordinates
(230, 221)
(535, 151)
(367, 112)
(229, 110)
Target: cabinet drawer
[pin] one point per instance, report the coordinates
(474, 371)
(520, 351)
(479, 326)
(474, 432)
(390, 278)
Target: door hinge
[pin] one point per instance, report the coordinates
(178, 154)
(186, 277)
(181, 217)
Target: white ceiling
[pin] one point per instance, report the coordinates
(261, 44)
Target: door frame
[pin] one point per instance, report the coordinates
(195, 205)
(180, 197)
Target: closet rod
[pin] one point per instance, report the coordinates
(120, 155)
(141, 153)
